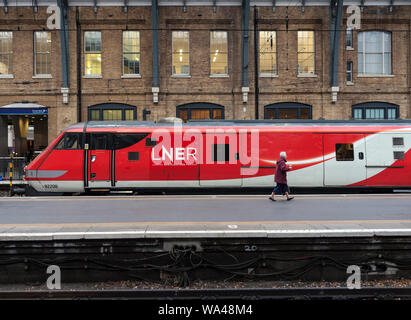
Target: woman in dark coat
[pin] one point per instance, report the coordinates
(281, 178)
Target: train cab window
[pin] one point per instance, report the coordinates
(398, 141)
(70, 141)
(221, 152)
(151, 142)
(344, 151)
(125, 140)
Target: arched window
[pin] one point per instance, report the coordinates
(112, 112)
(200, 111)
(375, 110)
(374, 53)
(288, 110)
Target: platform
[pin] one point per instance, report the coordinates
(203, 216)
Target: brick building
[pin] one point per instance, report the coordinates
(194, 59)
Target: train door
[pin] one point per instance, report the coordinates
(132, 160)
(220, 165)
(100, 160)
(344, 159)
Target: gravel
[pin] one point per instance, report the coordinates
(132, 284)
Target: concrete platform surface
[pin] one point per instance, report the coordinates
(199, 216)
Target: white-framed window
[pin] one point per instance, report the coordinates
(6, 53)
(92, 53)
(42, 53)
(374, 53)
(349, 39)
(268, 53)
(131, 53)
(306, 52)
(181, 53)
(218, 53)
(349, 72)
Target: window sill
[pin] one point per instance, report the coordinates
(42, 76)
(93, 76)
(349, 48)
(219, 76)
(375, 76)
(268, 75)
(308, 75)
(6, 76)
(350, 83)
(187, 76)
(131, 76)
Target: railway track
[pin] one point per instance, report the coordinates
(249, 294)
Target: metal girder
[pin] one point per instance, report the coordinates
(245, 21)
(214, 6)
(95, 6)
(302, 5)
(273, 5)
(391, 7)
(154, 22)
(6, 6)
(335, 15)
(35, 6)
(125, 6)
(184, 6)
(64, 40)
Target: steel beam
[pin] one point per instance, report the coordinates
(336, 14)
(64, 41)
(6, 6)
(245, 21)
(154, 21)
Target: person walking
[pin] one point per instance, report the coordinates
(281, 178)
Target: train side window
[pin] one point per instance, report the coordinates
(100, 141)
(399, 155)
(133, 156)
(398, 141)
(151, 142)
(70, 141)
(221, 152)
(125, 140)
(344, 151)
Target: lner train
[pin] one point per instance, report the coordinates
(130, 155)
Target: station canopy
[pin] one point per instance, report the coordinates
(18, 109)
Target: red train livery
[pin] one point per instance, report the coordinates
(231, 154)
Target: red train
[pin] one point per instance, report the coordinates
(231, 154)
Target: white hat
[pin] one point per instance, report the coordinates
(283, 154)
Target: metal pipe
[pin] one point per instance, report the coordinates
(79, 71)
(64, 42)
(256, 84)
(245, 21)
(154, 21)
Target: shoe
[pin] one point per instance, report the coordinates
(290, 198)
(271, 199)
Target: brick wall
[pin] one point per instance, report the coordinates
(200, 87)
